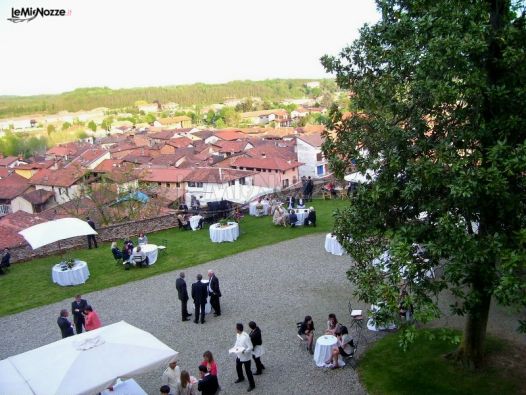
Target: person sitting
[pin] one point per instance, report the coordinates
(333, 325)
(344, 347)
(139, 258)
(117, 254)
(6, 260)
(237, 214)
(127, 250)
(260, 208)
(300, 203)
(184, 223)
(142, 239)
(311, 218)
(183, 207)
(293, 218)
(306, 331)
(279, 217)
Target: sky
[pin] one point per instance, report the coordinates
(121, 44)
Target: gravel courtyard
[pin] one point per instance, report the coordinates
(276, 286)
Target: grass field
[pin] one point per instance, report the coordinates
(423, 369)
(29, 284)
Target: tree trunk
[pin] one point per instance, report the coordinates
(471, 350)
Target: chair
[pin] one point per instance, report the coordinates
(181, 226)
(139, 262)
(326, 195)
(117, 255)
(163, 246)
(357, 323)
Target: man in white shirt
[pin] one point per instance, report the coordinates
(139, 257)
(172, 375)
(244, 357)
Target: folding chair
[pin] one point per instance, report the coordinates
(163, 246)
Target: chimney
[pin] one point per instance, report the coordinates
(263, 155)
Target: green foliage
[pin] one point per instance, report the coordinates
(50, 129)
(185, 95)
(92, 126)
(106, 123)
(422, 369)
(441, 95)
(21, 144)
(66, 125)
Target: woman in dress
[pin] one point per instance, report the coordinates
(306, 331)
(333, 325)
(142, 239)
(344, 347)
(185, 387)
(92, 319)
(208, 361)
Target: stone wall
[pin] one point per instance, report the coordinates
(115, 232)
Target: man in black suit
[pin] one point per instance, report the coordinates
(91, 237)
(182, 293)
(77, 310)
(199, 295)
(6, 260)
(214, 292)
(63, 323)
(208, 384)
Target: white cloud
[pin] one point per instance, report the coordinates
(120, 43)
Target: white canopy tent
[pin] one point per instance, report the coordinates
(361, 178)
(241, 194)
(11, 382)
(49, 232)
(88, 363)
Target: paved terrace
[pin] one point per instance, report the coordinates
(276, 286)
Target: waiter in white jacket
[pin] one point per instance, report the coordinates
(243, 357)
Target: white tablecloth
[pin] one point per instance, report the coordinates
(208, 306)
(323, 349)
(228, 233)
(194, 221)
(332, 245)
(74, 276)
(253, 211)
(128, 387)
(151, 252)
(302, 214)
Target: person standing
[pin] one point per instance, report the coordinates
(257, 342)
(208, 384)
(308, 190)
(172, 375)
(244, 357)
(77, 310)
(214, 292)
(91, 237)
(6, 260)
(182, 294)
(92, 319)
(66, 328)
(199, 295)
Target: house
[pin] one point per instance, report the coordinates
(166, 179)
(123, 175)
(299, 112)
(10, 162)
(275, 173)
(148, 107)
(11, 187)
(278, 116)
(90, 158)
(227, 135)
(173, 145)
(34, 201)
(30, 169)
(66, 183)
(207, 184)
(178, 122)
(229, 148)
(308, 149)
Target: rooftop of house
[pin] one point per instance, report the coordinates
(266, 163)
(13, 223)
(315, 140)
(64, 177)
(179, 142)
(164, 174)
(4, 162)
(231, 146)
(216, 175)
(230, 134)
(89, 156)
(107, 165)
(172, 120)
(12, 186)
(262, 113)
(38, 196)
(36, 165)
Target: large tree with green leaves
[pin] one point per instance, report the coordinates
(440, 88)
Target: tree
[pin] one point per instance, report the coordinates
(440, 92)
(66, 125)
(92, 126)
(106, 123)
(51, 129)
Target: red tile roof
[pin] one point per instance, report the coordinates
(13, 223)
(230, 134)
(270, 150)
(4, 162)
(107, 165)
(38, 196)
(313, 139)
(36, 165)
(163, 135)
(231, 146)
(64, 177)
(4, 172)
(61, 151)
(91, 155)
(180, 142)
(266, 163)
(13, 186)
(164, 175)
(216, 175)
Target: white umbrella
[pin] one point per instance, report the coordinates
(11, 382)
(88, 363)
(52, 231)
(360, 178)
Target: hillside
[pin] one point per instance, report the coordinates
(185, 95)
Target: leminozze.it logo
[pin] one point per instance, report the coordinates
(27, 14)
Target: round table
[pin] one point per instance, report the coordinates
(252, 210)
(78, 274)
(323, 349)
(301, 213)
(332, 245)
(194, 221)
(151, 252)
(219, 234)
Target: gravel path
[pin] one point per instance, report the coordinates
(276, 286)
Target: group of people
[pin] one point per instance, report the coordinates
(200, 292)
(344, 346)
(130, 254)
(308, 188)
(5, 263)
(281, 217)
(84, 317)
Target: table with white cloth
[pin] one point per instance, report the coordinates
(127, 387)
(194, 221)
(208, 306)
(252, 208)
(78, 274)
(150, 250)
(218, 234)
(333, 246)
(301, 213)
(323, 351)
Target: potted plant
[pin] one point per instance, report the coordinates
(223, 222)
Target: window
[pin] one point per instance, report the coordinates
(178, 184)
(286, 183)
(319, 156)
(160, 184)
(191, 184)
(242, 181)
(319, 170)
(294, 180)
(230, 183)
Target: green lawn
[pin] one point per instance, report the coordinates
(386, 369)
(29, 284)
